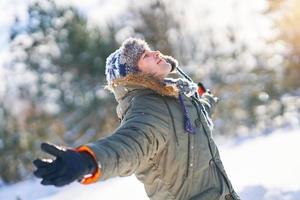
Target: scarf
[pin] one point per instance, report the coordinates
(187, 88)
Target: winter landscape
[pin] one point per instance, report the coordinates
(262, 168)
(52, 85)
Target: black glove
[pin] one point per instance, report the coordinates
(68, 166)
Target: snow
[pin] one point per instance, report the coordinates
(265, 167)
(260, 168)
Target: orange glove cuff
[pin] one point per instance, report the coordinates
(97, 174)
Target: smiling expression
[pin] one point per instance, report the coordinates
(151, 62)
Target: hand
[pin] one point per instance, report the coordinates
(212, 98)
(68, 166)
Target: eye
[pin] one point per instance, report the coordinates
(146, 55)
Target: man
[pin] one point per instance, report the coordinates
(165, 135)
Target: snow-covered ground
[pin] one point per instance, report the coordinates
(265, 167)
(261, 168)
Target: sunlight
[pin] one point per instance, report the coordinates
(289, 23)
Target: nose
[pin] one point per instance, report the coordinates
(156, 53)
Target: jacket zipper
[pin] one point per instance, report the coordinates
(188, 157)
(196, 104)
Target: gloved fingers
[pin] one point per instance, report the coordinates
(53, 149)
(53, 176)
(208, 95)
(216, 99)
(42, 163)
(61, 181)
(202, 86)
(46, 182)
(52, 168)
(57, 181)
(208, 91)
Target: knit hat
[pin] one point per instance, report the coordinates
(124, 60)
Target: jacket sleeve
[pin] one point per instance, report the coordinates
(142, 133)
(209, 101)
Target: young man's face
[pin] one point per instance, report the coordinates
(152, 63)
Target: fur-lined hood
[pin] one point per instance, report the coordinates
(122, 86)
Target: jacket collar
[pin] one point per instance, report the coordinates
(122, 86)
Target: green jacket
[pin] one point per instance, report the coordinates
(151, 143)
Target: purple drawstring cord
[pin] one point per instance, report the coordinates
(187, 122)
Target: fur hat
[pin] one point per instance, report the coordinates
(124, 60)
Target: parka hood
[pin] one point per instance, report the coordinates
(122, 86)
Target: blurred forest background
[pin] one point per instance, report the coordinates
(61, 97)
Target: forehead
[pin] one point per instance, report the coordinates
(145, 52)
(148, 51)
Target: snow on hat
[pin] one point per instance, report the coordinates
(124, 60)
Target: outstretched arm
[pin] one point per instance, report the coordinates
(141, 135)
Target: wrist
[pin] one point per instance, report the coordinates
(90, 162)
(94, 171)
